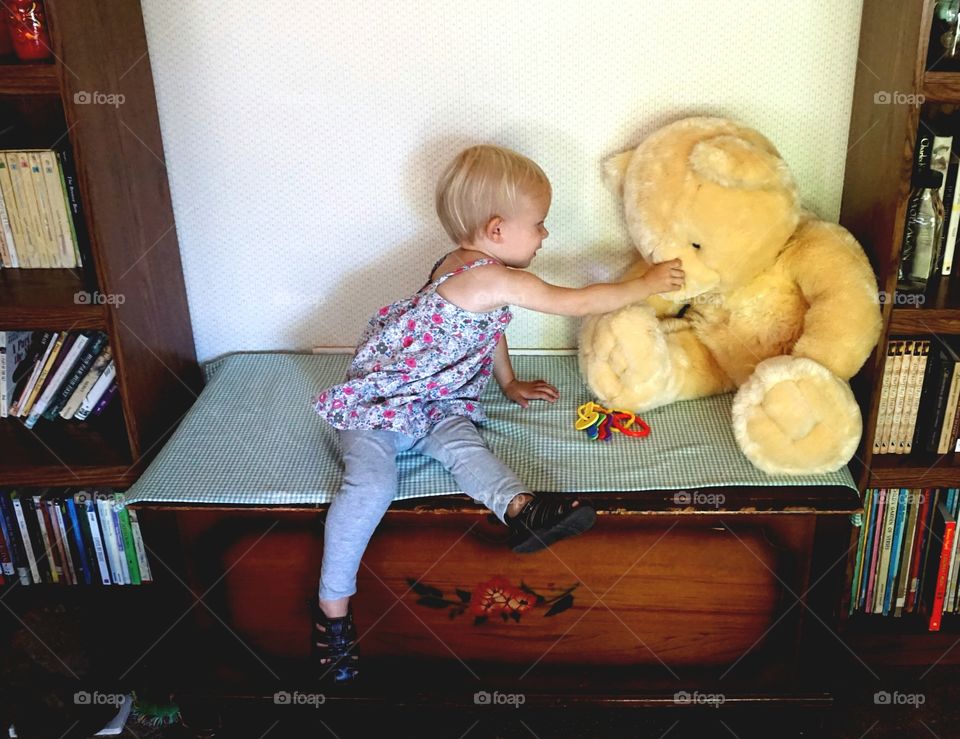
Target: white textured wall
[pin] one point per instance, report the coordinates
(303, 139)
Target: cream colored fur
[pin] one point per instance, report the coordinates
(779, 304)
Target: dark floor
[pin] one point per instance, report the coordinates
(56, 644)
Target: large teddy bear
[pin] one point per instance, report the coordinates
(777, 305)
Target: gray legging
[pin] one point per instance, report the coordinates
(370, 484)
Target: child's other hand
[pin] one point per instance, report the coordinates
(664, 277)
(520, 391)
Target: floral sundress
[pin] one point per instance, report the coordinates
(418, 361)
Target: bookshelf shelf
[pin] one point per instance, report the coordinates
(925, 321)
(47, 299)
(913, 471)
(90, 452)
(942, 87)
(29, 79)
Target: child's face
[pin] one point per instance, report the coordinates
(523, 233)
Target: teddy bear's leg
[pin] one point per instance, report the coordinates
(794, 416)
(632, 360)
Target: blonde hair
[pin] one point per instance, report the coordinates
(482, 182)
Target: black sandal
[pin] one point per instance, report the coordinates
(333, 648)
(547, 519)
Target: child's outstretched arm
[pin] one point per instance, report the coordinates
(516, 287)
(519, 391)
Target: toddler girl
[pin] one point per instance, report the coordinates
(420, 369)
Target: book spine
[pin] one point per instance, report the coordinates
(903, 580)
(78, 539)
(895, 547)
(884, 398)
(128, 545)
(80, 369)
(143, 562)
(71, 191)
(875, 547)
(889, 524)
(910, 395)
(65, 368)
(8, 209)
(105, 400)
(936, 608)
(918, 549)
(6, 547)
(20, 560)
(898, 347)
(945, 443)
(894, 441)
(96, 392)
(25, 538)
(98, 547)
(63, 541)
(93, 374)
(861, 546)
(49, 556)
(118, 538)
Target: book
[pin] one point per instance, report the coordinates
(86, 503)
(947, 436)
(143, 562)
(39, 374)
(63, 231)
(915, 391)
(20, 561)
(903, 498)
(885, 390)
(14, 350)
(63, 540)
(25, 536)
(96, 392)
(48, 558)
(110, 547)
(8, 209)
(914, 498)
(883, 567)
(886, 433)
(861, 546)
(46, 236)
(83, 389)
(70, 357)
(81, 366)
(6, 548)
(933, 400)
(877, 535)
(918, 548)
(944, 528)
(28, 369)
(911, 368)
(80, 547)
(894, 439)
(129, 549)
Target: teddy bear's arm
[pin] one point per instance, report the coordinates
(843, 323)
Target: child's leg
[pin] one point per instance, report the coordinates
(369, 485)
(458, 446)
(535, 521)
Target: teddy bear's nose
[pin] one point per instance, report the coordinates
(695, 246)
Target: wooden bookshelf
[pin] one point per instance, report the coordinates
(893, 57)
(118, 155)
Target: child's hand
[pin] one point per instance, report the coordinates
(520, 392)
(664, 277)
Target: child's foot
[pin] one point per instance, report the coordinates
(546, 519)
(334, 650)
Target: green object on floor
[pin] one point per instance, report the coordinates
(155, 710)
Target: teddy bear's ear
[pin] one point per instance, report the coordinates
(614, 171)
(733, 161)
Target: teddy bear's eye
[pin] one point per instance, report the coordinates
(695, 246)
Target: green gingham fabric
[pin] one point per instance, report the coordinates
(253, 438)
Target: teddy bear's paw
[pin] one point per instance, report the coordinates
(625, 359)
(794, 416)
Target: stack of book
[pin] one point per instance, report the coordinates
(51, 374)
(907, 554)
(85, 537)
(919, 397)
(40, 212)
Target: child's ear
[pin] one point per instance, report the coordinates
(493, 228)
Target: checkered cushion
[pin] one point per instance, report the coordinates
(252, 438)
